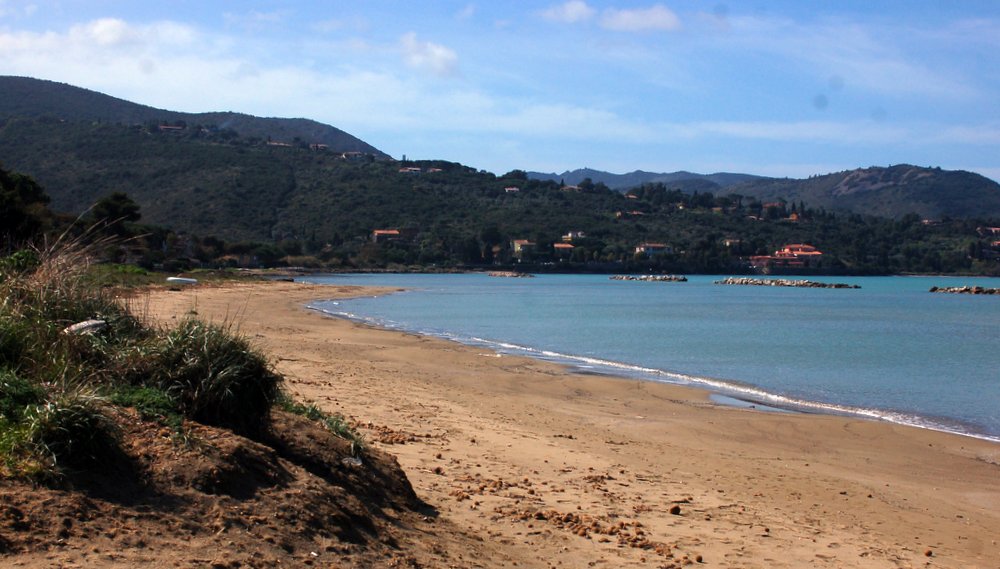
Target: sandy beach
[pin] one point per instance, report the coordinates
(529, 464)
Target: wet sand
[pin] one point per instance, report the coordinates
(548, 468)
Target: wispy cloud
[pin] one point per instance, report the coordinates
(426, 56)
(866, 56)
(466, 12)
(853, 132)
(570, 12)
(654, 18)
(256, 20)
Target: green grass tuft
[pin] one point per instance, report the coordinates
(334, 423)
(216, 377)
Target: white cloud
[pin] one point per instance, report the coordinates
(797, 131)
(106, 32)
(570, 12)
(427, 56)
(654, 18)
(985, 134)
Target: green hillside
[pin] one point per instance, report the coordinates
(258, 191)
(34, 98)
(301, 201)
(931, 193)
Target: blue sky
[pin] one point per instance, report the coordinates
(779, 88)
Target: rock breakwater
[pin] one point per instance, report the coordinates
(651, 278)
(747, 281)
(510, 274)
(965, 289)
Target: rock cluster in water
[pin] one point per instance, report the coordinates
(965, 289)
(782, 282)
(510, 274)
(651, 278)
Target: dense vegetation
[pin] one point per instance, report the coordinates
(63, 387)
(35, 98)
(171, 193)
(453, 216)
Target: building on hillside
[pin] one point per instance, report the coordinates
(512, 189)
(385, 235)
(522, 248)
(793, 256)
(650, 249)
(562, 250)
(573, 235)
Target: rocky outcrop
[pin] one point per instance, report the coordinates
(965, 290)
(510, 274)
(781, 282)
(651, 278)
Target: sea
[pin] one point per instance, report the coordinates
(890, 350)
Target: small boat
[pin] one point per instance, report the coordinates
(181, 281)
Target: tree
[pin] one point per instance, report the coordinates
(113, 211)
(23, 212)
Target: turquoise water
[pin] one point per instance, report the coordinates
(890, 350)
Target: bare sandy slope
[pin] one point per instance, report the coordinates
(553, 469)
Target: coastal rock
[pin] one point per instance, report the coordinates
(965, 290)
(510, 274)
(748, 281)
(651, 278)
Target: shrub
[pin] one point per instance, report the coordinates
(216, 377)
(72, 429)
(17, 394)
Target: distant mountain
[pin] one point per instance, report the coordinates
(25, 97)
(639, 177)
(894, 191)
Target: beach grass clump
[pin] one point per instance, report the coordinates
(42, 429)
(333, 422)
(73, 429)
(71, 353)
(216, 376)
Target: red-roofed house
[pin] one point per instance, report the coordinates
(383, 235)
(793, 256)
(562, 250)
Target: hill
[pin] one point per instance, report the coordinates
(271, 202)
(893, 192)
(35, 98)
(639, 177)
(931, 193)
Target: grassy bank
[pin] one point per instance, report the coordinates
(74, 357)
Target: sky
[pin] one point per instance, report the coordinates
(776, 88)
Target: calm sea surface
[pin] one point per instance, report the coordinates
(890, 350)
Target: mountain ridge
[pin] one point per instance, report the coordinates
(638, 177)
(36, 98)
(893, 191)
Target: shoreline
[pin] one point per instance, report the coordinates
(741, 393)
(553, 468)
